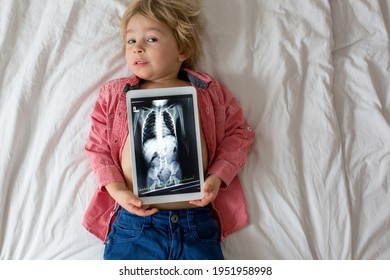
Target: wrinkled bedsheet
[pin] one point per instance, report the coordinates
(312, 78)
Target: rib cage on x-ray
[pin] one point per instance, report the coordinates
(160, 143)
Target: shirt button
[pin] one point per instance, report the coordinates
(174, 218)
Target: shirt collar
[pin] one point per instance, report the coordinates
(196, 79)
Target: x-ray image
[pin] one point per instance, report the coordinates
(166, 155)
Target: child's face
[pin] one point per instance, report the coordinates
(152, 53)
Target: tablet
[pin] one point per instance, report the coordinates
(165, 147)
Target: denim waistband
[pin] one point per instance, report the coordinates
(183, 217)
(184, 212)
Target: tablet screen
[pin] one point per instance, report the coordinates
(165, 144)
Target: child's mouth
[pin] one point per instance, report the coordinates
(140, 63)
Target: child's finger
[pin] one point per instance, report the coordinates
(133, 200)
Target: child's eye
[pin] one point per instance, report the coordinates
(131, 41)
(151, 40)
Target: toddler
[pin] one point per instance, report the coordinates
(162, 46)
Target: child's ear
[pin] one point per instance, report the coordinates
(184, 56)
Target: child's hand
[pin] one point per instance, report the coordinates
(211, 189)
(126, 198)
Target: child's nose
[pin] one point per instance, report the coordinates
(138, 48)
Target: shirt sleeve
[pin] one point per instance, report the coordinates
(98, 145)
(237, 138)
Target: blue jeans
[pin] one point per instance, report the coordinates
(167, 235)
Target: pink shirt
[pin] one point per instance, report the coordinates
(227, 134)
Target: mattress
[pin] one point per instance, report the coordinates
(312, 78)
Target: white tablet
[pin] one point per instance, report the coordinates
(165, 144)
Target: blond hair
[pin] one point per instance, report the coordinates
(182, 16)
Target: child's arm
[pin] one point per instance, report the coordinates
(107, 171)
(231, 152)
(98, 146)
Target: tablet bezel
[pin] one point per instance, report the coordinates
(148, 96)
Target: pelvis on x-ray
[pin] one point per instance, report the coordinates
(162, 129)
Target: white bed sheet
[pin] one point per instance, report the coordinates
(312, 78)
